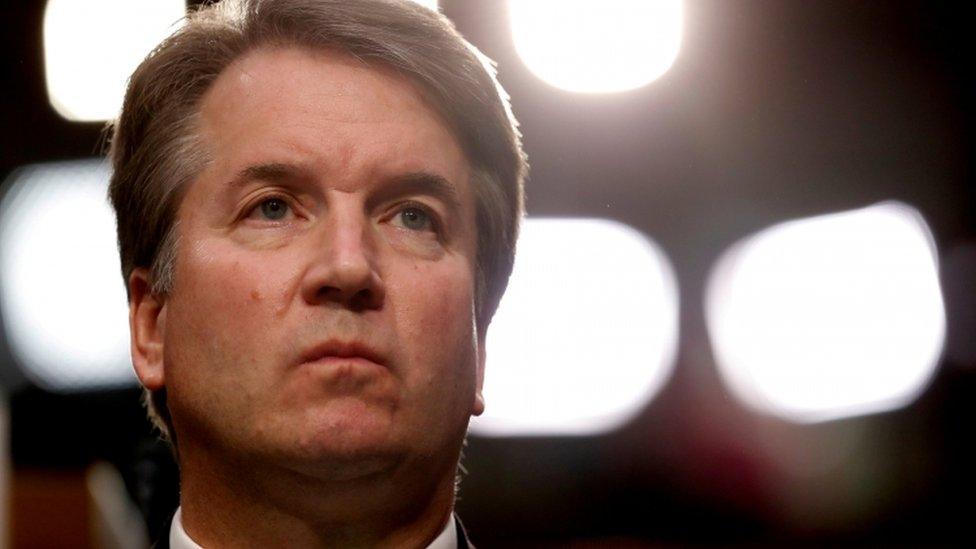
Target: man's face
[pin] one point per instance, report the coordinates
(322, 312)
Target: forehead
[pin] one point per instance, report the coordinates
(326, 107)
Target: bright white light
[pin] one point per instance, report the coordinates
(585, 335)
(64, 304)
(432, 4)
(829, 317)
(91, 48)
(597, 46)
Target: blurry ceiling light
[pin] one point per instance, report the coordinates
(91, 48)
(829, 317)
(62, 298)
(597, 46)
(586, 334)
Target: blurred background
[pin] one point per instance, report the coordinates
(743, 308)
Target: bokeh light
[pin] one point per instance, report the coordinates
(586, 334)
(63, 301)
(597, 46)
(91, 48)
(829, 317)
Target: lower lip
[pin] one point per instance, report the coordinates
(343, 375)
(343, 362)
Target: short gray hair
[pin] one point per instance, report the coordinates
(156, 150)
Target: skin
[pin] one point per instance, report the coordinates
(337, 211)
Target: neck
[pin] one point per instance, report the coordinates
(227, 505)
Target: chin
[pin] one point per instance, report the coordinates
(344, 434)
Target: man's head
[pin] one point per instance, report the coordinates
(349, 119)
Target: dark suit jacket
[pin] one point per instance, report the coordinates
(462, 536)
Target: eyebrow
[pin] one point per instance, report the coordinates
(272, 171)
(419, 182)
(426, 183)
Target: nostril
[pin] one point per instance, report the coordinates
(328, 292)
(363, 298)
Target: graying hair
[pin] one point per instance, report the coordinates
(156, 150)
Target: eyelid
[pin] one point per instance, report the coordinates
(253, 203)
(436, 219)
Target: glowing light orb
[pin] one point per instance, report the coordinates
(586, 334)
(829, 317)
(91, 48)
(597, 46)
(64, 305)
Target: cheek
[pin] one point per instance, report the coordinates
(434, 310)
(222, 304)
(233, 281)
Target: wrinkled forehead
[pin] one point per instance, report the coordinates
(289, 93)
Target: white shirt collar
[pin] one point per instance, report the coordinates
(447, 539)
(178, 538)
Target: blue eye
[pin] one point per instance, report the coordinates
(415, 219)
(274, 209)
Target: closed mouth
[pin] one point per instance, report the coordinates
(338, 350)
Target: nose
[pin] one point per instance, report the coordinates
(344, 270)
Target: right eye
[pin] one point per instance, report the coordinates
(273, 209)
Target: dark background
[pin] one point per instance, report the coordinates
(773, 110)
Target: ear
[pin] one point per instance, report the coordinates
(479, 399)
(147, 328)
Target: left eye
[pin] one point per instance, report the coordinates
(415, 219)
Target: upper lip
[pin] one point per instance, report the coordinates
(342, 349)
